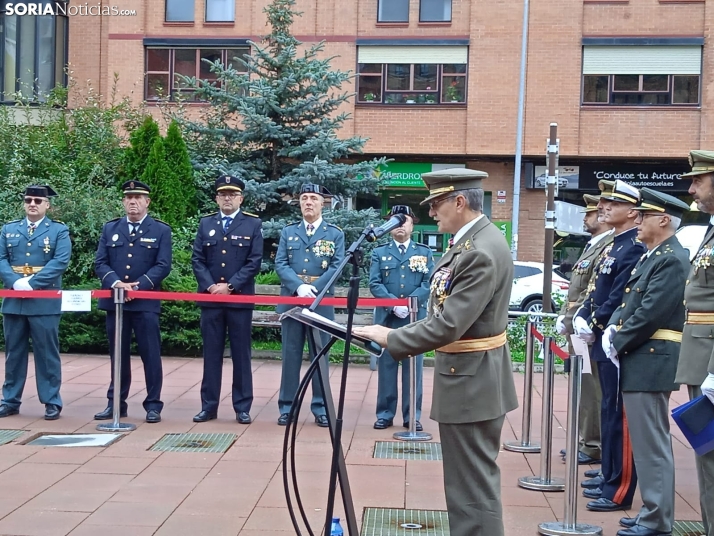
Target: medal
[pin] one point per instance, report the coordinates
(115, 238)
(212, 232)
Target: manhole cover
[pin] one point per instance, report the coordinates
(9, 435)
(194, 442)
(394, 522)
(74, 440)
(688, 528)
(406, 450)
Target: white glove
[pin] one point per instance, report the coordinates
(560, 328)
(607, 336)
(708, 387)
(612, 356)
(22, 284)
(582, 329)
(402, 311)
(306, 291)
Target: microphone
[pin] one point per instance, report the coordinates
(392, 223)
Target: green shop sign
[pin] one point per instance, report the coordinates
(408, 174)
(505, 228)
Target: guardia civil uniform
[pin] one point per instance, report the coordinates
(305, 259)
(43, 253)
(399, 272)
(466, 324)
(696, 358)
(649, 325)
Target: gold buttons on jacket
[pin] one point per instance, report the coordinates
(651, 350)
(623, 305)
(129, 255)
(686, 282)
(223, 278)
(128, 267)
(223, 251)
(627, 289)
(225, 238)
(131, 245)
(223, 265)
(126, 277)
(453, 370)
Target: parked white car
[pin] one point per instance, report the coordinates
(691, 236)
(527, 289)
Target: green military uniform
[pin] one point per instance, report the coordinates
(473, 384)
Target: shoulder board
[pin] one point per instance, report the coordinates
(115, 219)
(158, 220)
(250, 214)
(58, 221)
(209, 215)
(294, 223)
(335, 226)
(421, 245)
(16, 221)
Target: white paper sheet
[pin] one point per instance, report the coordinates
(581, 349)
(76, 300)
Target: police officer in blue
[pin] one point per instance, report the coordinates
(226, 258)
(605, 296)
(134, 253)
(399, 269)
(309, 253)
(34, 253)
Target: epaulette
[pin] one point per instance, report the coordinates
(16, 221)
(422, 245)
(250, 214)
(335, 226)
(208, 215)
(294, 223)
(160, 221)
(115, 219)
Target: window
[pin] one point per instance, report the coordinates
(520, 271)
(179, 10)
(33, 55)
(220, 10)
(393, 11)
(165, 68)
(435, 11)
(641, 89)
(411, 83)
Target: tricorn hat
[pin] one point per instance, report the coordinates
(402, 209)
(40, 191)
(310, 188)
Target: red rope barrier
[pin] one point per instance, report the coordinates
(537, 334)
(562, 354)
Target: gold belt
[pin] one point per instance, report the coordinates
(474, 345)
(27, 270)
(700, 318)
(664, 335)
(309, 278)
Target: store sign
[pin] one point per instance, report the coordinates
(505, 227)
(408, 174)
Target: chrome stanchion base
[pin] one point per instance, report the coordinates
(540, 484)
(556, 528)
(412, 436)
(517, 446)
(116, 427)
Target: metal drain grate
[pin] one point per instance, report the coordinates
(9, 435)
(407, 450)
(688, 528)
(194, 442)
(394, 522)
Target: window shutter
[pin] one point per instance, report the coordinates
(413, 54)
(683, 59)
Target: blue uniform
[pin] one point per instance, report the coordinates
(305, 260)
(144, 258)
(605, 296)
(393, 275)
(45, 255)
(232, 257)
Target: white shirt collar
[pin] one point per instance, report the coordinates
(136, 222)
(37, 223)
(650, 251)
(232, 216)
(405, 244)
(316, 224)
(465, 229)
(595, 239)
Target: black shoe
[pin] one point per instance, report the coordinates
(108, 414)
(592, 473)
(628, 522)
(639, 530)
(592, 482)
(153, 416)
(243, 417)
(562, 453)
(204, 416)
(52, 412)
(6, 411)
(321, 421)
(592, 493)
(383, 424)
(417, 427)
(584, 459)
(606, 505)
(283, 419)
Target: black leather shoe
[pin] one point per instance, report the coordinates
(592, 473)
(417, 427)
(628, 522)
(562, 453)
(283, 419)
(244, 417)
(153, 416)
(592, 493)
(639, 530)
(6, 411)
(606, 505)
(383, 424)
(584, 459)
(592, 482)
(108, 414)
(321, 421)
(52, 412)
(204, 416)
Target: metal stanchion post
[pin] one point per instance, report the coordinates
(117, 426)
(525, 445)
(412, 434)
(569, 525)
(544, 482)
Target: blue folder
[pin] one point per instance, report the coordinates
(696, 420)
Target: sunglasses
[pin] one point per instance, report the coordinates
(433, 204)
(35, 200)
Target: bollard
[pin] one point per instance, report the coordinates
(412, 434)
(569, 525)
(525, 445)
(117, 426)
(544, 482)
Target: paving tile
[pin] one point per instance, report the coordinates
(28, 522)
(193, 525)
(130, 514)
(74, 455)
(118, 466)
(79, 492)
(107, 530)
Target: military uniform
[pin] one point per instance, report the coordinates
(696, 358)
(44, 255)
(395, 275)
(604, 297)
(649, 325)
(473, 383)
(227, 251)
(143, 256)
(313, 260)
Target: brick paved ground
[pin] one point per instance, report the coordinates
(125, 489)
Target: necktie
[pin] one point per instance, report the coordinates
(402, 249)
(31, 228)
(588, 246)
(134, 229)
(310, 229)
(227, 220)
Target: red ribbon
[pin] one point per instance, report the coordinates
(562, 354)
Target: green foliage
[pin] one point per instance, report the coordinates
(136, 156)
(267, 278)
